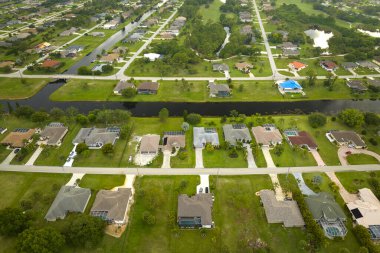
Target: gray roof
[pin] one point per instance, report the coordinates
(97, 137)
(68, 199)
(205, 135)
(199, 205)
(324, 206)
(348, 137)
(174, 139)
(220, 67)
(286, 51)
(113, 203)
(236, 132)
(375, 82)
(286, 212)
(216, 88)
(367, 64)
(349, 65)
(122, 85)
(54, 134)
(356, 85)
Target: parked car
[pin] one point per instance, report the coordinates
(16, 150)
(206, 190)
(68, 159)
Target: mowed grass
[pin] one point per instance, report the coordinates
(293, 157)
(355, 159)
(353, 181)
(211, 12)
(16, 88)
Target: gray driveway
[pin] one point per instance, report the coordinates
(302, 185)
(166, 160)
(250, 158)
(9, 158)
(343, 157)
(199, 158)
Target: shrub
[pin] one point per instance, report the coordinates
(193, 118)
(149, 218)
(373, 141)
(107, 149)
(129, 92)
(317, 120)
(81, 147)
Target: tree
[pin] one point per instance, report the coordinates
(47, 240)
(311, 76)
(24, 111)
(352, 117)
(278, 150)
(107, 68)
(82, 119)
(129, 92)
(84, 230)
(185, 126)
(13, 221)
(193, 118)
(81, 147)
(39, 117)
(56, 113)
(107, 149)
(209, 147)
(317, 119)
(163, 114)
(371, 118)
(362, 234)
(84, 70)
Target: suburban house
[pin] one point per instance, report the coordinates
(286, 212)
(110, 58)
(349, 65)
(97, 34)
(328, 214)
(366, 212)
(245, 17)
(148, 88)
(346, 138)
(195, 211)
(375, 82)
(111, 24)
(356, 85)
(221, 67)
(244, 67)
(290, 52)
(219, 90)
(53, 134)
(267, 135)
(284, 34)
(173, 139)
(287, 45)
(18, 138)
(149, 144)
(99, 67)
(246, 29)
(297, 66)
(234, 133)
(289, 86)
(112, 206)
(122, 85)
(367, 64)
(202, 136)
(133, 38)
(167, 36)
(69, 199)
(301, 139)
(51, 64)
(328, 65)
(69, 32)
(152, 56)
(96, 138)
(6, 64)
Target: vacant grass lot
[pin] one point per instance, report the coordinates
(210, 13)
(353, 181)
(16, 88)
(293, 157)
(361, 159)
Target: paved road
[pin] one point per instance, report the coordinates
(272, 63)
(186, 171)
(120, 73)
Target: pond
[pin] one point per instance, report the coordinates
(41, 101)
(320, 38)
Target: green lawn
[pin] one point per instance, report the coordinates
(219, 159)
(211, 12)
(189, 161)
(353, 181)
(355, 159)
(99, 182)
(16, 88)
(293, 157)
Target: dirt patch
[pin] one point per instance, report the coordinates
(115, 230)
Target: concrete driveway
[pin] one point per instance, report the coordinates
(302, 185)
(346, 196)
(71, 161)
(280, 196)
(199, 158)
(166, 160)
(35, 155)
(268, 157)
(317, 157)
(205, 182)
(9, 158)
(250, 159)
(343, 157)
(74, 179)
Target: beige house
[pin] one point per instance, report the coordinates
(267, 135)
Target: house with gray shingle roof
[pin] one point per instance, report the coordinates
(69, 199)
(202, 136)
(328, 214)
(111, 206)
(95, 138)
(53, 134)
(195, 211)
(286, 212)
(234, 133)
